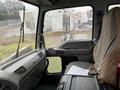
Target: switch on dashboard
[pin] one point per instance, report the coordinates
(21, 70)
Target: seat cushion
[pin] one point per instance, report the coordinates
(79, 68)
(69, 82)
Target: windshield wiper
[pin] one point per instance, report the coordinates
(20, 37)
(21, 33)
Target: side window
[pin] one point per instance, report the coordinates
(16, 15)
(63, 25)
(113, 6)
(54, 65)
(67, 24)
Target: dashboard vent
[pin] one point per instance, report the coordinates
(7, 85)
(7, 88)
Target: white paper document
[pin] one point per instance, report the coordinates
(74, 70)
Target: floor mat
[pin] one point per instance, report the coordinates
(45, 87)
(47, 83)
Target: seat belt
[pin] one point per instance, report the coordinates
(99, 15)
(111, 42)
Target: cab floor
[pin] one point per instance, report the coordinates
(47, 83)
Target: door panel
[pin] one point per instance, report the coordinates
(73, 51)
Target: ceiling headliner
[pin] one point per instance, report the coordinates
(47, 4)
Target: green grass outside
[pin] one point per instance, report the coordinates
(8, 49)
(54, 64)
(50, 40)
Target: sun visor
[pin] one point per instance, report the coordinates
(42, 2)
(47, 2)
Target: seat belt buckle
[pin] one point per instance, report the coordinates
(118, 74)
(118, 69)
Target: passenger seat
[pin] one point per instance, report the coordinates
(106, 53)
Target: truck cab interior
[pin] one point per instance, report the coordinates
(77, 45)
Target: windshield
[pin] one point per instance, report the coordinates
(13, 13)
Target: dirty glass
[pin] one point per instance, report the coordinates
(13, 15)
(67, 24)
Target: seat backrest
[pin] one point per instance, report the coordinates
(107, 51)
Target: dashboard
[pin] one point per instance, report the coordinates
(23, 72)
